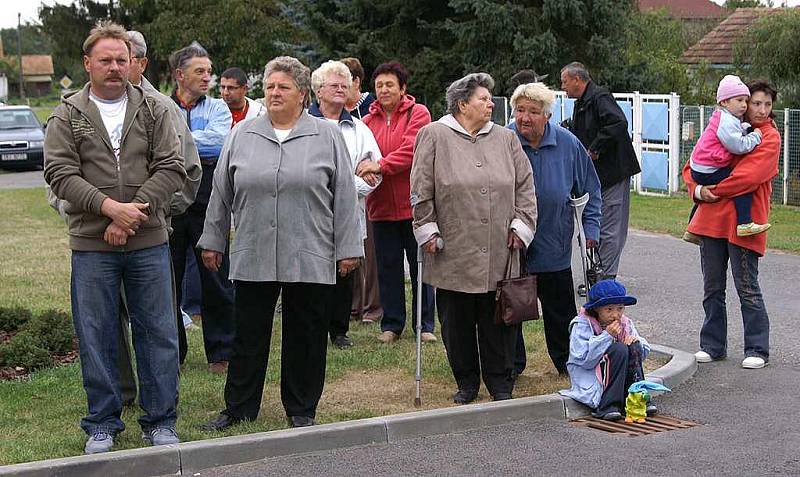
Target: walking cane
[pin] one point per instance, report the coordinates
(578, 204)
(418, 374)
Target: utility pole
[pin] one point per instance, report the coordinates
(19, 51)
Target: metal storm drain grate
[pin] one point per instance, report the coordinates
(654, 424)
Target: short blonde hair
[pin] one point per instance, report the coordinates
(330, 67)
(103, 30)
(536, 92)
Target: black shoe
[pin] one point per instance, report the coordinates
(301, 421)
(652, 410)
(465, 396)
(501, 396)
(609, 416)
(222, 422)
(342, 342)
(582, 290)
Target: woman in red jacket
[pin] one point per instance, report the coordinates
(715, 222)
(395, 118)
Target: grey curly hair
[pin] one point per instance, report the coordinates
(299, 72)
(462, 89)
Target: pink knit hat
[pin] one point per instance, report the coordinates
(730, 87)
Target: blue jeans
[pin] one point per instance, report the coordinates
(96, 278)
(714, 257)
(392, 241)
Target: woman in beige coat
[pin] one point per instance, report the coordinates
(473, 188)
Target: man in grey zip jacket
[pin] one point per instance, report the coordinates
(112, 155)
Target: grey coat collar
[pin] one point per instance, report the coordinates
(451, 122)
(306, 125)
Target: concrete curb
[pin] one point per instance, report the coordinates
(190, 457)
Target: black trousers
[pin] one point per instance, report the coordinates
(218, 321)
(622, 368)
(557, 296)
(303, 346)
(341, 304)
(475, 345)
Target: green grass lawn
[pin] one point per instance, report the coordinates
(670, 214)
(39, 416)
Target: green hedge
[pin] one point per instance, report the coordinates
(12, 319)
(36, 339)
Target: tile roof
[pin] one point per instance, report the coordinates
(36, 65)
(717, 47)
(685, 9)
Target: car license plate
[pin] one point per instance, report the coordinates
(14, 157)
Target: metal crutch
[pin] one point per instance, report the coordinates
(578, 204)
(418, 374)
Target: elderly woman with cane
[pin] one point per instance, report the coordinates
(288, 181)
(561, 169)
(473, 188)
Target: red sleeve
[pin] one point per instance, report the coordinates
(400, 159)
(754, 168)
(690, 183)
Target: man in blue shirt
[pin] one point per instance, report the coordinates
(209, 119)
(561, 169)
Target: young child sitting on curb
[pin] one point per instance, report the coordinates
(605, 352)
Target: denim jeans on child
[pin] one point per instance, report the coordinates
(714, 257)
(96, 278)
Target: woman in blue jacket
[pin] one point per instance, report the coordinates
(561, 169)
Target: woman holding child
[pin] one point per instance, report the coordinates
(716, 224)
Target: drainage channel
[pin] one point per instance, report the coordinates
(653, 425)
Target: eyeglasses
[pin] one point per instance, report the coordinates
(336, 86)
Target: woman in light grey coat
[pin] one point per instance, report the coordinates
(288, 181)
(474, 189)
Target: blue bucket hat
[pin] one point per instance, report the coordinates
(608, 292)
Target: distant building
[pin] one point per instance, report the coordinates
(685, 10)
(37, 71)
(38, 74)
(717, 48)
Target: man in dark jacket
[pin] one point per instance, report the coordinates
(602, 128)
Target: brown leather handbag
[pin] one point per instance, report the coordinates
(516, 299)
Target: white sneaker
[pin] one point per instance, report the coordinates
(703, 357)
(754, 362)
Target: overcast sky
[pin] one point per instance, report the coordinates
(29, 9)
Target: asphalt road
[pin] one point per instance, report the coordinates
(21, 180)
(749, 418)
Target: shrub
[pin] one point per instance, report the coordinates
(53, 330)
(24, 350)
(12, 319)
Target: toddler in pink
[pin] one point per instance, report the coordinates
(725, 137)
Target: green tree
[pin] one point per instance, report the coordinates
(34, 41)
(654, 44)
(410, 31)
(734, 4)
(239, 33)
(771, 50)
(440, 42)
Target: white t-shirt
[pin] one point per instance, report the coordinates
(282, 134)
(113, 114)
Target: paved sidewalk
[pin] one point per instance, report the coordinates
(741, 411)
(749, 417)
(21, 180)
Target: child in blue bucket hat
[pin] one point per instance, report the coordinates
(605, 352)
